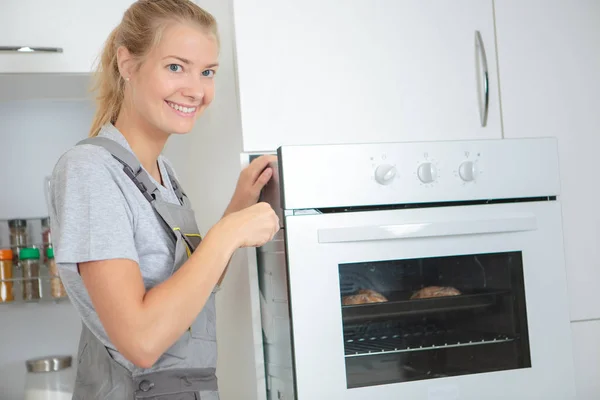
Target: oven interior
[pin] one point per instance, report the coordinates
(438, 317)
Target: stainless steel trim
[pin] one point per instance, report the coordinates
(49, 364)
(482, 59)
(29, 49)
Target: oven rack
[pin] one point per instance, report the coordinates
(401, 306)
(409, 342)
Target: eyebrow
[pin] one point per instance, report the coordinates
(183, 60)
(188, 62)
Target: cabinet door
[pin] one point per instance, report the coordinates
(339, 71)
(77, 27)
(549, 62)
(586, 350)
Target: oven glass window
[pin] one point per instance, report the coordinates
(409, 320)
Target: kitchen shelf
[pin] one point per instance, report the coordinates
(400, 305)
(419, 341)
(38, 218)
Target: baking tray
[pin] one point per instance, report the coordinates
(400, 305)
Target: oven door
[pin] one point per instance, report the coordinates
(445, 303)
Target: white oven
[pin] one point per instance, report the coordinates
(457, 250)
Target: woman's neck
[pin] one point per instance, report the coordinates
(146, 142)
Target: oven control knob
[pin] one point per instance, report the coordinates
(427, 172)
(467, 171)
(385, 174)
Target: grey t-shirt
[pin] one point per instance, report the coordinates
(97, 213)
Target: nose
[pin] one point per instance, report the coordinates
(195, 89)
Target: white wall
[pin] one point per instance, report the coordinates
(33, 134)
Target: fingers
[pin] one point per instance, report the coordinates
(263, 179)
(257, 166)
(261, 224)
(275, 226)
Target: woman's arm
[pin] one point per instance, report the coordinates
(143, 325)
(250, 183)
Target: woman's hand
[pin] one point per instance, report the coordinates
(252, 226)
(250, 183)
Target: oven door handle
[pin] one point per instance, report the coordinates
(520, 223)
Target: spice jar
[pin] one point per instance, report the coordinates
(30, 267)
(50, 378)
(56, 287)
(18, 236)
(46, 237)
(6, 268)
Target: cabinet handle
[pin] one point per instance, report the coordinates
(28, 49)
(481, 58)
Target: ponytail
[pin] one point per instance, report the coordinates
(109, 85)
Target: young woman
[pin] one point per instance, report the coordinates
(126, 241)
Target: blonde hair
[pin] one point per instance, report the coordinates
(139, 31)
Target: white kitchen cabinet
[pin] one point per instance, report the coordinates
(77, 27)
(549, 63)
(586, 351)
(364, 71)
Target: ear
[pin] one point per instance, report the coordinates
(125, 62)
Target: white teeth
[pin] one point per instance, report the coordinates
(187, 110)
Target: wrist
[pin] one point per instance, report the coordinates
(236, 205)
(223, 237)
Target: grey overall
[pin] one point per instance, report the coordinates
(186, 371)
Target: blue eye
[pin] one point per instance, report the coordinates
(175, 68)
(208, 73)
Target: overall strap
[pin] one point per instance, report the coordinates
(183, 199)
(133, 169)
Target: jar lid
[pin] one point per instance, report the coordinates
(50, 252)
(6, 254)
(17, 223)
(29, 253)
(49, 364)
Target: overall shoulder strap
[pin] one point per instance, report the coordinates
(131, 166)
(183, 199)
(133, 169)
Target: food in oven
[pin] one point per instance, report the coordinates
(364, 296)
(429, 292)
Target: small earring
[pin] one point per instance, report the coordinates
(127, 79)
